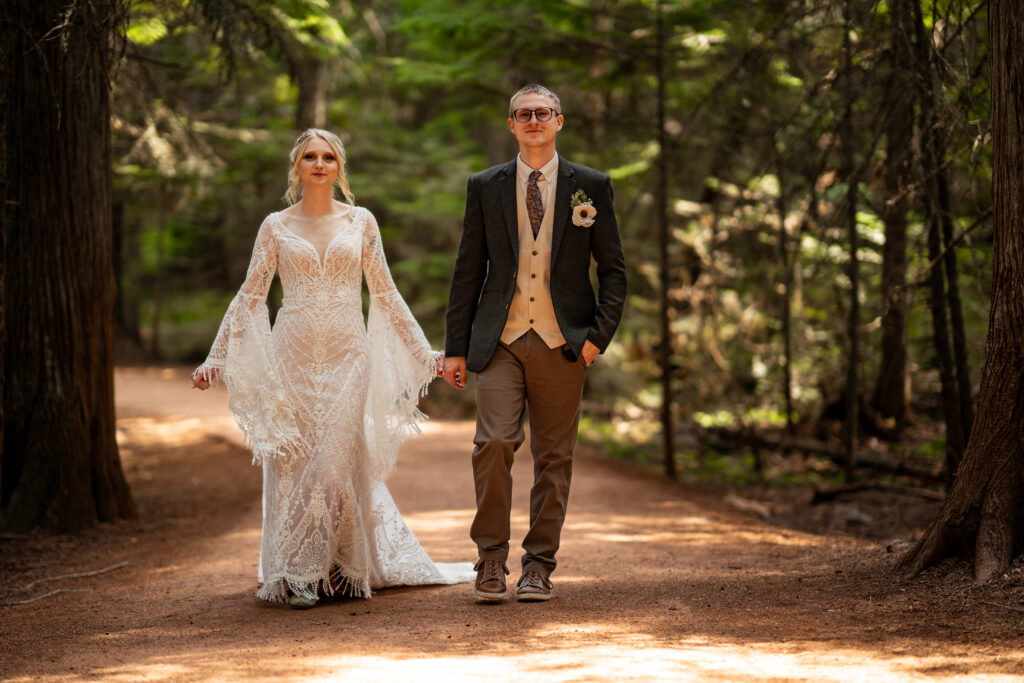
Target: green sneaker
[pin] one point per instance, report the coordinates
(297, 601)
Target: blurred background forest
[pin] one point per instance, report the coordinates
(802, 187)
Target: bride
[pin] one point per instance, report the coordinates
(325, 399)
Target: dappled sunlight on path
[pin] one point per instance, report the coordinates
(655, 582)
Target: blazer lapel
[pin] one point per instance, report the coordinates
(507, 191)
(563, 195)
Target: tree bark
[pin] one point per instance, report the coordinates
(984, 512)
(155, 349)
(126, 255)
(786, 261)
(665, 354)
(60, 464)
(311, 108)
(956, 316)
(890, 398)
(853, 323)
(956, 436)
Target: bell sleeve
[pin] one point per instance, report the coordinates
(402, 363)
(243, 356)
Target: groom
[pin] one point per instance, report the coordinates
(523, 315)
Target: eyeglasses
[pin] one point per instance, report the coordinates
(542, 114)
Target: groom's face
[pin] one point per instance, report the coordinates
(534, 133)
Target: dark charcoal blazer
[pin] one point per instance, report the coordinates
(485, 269)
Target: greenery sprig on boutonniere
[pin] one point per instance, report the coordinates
(583, 211)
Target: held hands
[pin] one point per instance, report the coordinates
(199, 377)
(455, 371)
(455, 366)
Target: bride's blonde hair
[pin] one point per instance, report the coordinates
(294, 192)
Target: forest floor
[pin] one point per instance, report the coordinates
(656, 581)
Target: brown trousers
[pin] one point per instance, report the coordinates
(525, 377)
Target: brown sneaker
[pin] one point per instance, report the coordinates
(533, 587)
(490, 580)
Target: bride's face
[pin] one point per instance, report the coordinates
(318, 165)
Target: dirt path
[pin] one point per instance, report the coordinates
(656, 582)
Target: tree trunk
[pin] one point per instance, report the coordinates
(126, 255)
(984, 512)
(665, 354)
(155, 349)
(786, 261)
(311, 108)
(60, 465)
(890, 398)
(930, 159)
(6, 209)
(853, 324)
(956, 316)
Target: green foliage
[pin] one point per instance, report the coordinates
(205, 108)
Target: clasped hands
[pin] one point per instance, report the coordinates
(453, 368)
(201, 377)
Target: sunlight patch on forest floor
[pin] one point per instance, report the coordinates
(623, 656)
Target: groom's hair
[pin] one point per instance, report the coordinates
(534, 90)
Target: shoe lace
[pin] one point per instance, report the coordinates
(493, 569)
(534, 580)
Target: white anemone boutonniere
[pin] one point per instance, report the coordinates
(583, 211)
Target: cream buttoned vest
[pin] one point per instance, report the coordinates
(531, 304)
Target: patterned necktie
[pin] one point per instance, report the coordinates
(534, 205)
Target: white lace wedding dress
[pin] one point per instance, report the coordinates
(324, 401)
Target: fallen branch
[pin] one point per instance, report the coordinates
(29, 587)
(823, 495)
(723, 439)
(46, 595)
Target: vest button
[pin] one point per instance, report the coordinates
(531, 298)
(533, 275)
(535, 253)
(531, 321)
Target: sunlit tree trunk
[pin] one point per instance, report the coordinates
(983, 515)
(60, 461)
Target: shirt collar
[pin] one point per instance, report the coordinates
(547, 171)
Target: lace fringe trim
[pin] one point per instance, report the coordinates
(398, 379)
(335, 583)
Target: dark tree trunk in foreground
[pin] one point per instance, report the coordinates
(60, 462)
(890, 397)
(983, 515)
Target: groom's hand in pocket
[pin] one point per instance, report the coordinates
(455, 371)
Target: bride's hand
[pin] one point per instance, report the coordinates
(439, 363)
(199, 377)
